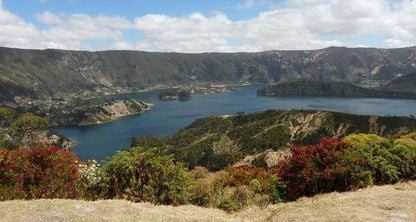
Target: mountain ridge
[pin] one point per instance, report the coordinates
(52, 72)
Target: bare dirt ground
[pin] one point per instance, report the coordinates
(379, 203)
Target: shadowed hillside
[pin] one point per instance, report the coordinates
(54, 72)
(316, 88)
(406, 83)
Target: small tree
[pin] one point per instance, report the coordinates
(6, 116)
(28, 126)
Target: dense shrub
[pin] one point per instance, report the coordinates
(258, 180)
(385, 160)
(42, 171)
(315, 168)
(405, 150)
(140, 174)
(146, 174)
(338, 165)
(371, 160)
(92, 178)
(241, 196)
(228, 205)
(209, 188)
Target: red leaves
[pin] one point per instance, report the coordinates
(43, 171)
(313, 169)
(244, 175)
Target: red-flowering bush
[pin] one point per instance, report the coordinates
(43, 171)
(315, 168)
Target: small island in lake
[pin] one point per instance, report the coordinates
(175, 94)
(317, 88)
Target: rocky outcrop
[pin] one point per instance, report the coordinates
(99, 113)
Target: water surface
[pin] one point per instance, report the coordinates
(166, 117)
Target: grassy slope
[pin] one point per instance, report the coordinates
(381, 203)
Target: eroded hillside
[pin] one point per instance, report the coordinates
(57, 72)
(217, 141)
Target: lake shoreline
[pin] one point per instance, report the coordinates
(167, 117)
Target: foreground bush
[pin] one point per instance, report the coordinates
(357, 161)
(405, 149)
(379, 161)
(140, 174)
(236, 187)
(259, 180)
(42, 171)
(315, 168)
(371, 160)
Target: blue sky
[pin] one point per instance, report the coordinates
(132, 8)
(206, 26)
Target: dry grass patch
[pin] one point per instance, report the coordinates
(379, 203)
(384, 203)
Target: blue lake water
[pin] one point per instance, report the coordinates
(166, 117)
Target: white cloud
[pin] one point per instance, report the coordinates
(245, 5)
(395, 43)
(49, 18)
(294, 24)
(63, 31)
(195, 31)
(16, 32)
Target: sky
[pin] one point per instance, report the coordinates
(206, 26)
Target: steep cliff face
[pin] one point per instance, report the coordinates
(55, 72)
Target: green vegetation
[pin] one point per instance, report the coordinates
(216, 142)
(146, 174)
(317, 88)
(39, 172)
(27, 127)
(175, 94)
(6, 116)
(405, 83)
(38, 73)
(358, 161)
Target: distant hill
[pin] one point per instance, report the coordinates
(217, 141)
(317, 88)
(55, 72)
(406, 83)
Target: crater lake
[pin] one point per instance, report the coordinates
(167, 117)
